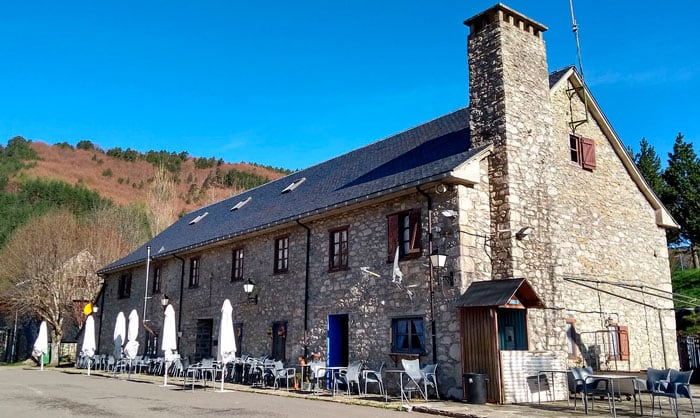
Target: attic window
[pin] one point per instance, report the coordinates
(294, 185)
(198, 218)
(241, 203)
(582, 152)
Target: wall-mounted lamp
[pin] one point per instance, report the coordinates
(523, 232)
(164, 301)
(437, 260)
(249, 289)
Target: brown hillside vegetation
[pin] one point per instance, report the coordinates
(127, 182)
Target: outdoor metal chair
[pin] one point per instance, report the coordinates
(430, 379)
(374, 376)
(284, 373)
(579, 382)
(414, 378)
(677, 386)
(348, 377)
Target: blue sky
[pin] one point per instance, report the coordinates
(291, 84)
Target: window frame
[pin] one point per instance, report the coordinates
(618, 342)
(195, 266)
(338, 251)
(281, 255)
(124, 289)
(404, 230)
(157, 280)
(582, 152)
(415, 335)
(237, 263)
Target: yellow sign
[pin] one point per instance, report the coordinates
(87, 310)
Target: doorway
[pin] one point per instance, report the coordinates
(203, 339)
(338, 340)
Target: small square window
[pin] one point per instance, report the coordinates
(407, 335)
(582, 151)
(404, 230)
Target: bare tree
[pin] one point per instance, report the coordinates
(52, 261)
(161, 201)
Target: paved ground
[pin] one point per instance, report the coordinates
(28, 392)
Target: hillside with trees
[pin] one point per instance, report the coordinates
(66, 211)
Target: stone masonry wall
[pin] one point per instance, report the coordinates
(604, 229)
(370, 302)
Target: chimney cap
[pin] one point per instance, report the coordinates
(507, 10)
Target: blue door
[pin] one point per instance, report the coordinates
(337, 340)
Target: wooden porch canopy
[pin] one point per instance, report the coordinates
(500, 293)
(478, 315)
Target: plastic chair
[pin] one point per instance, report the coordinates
(348, 377)
(430, 379)
(284, 373)
(579, 382)
(374, 376)
(415, 378)
(677, 386)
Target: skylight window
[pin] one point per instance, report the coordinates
(241, 203)
(198, 218)
(294, 185)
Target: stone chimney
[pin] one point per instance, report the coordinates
(509, 107)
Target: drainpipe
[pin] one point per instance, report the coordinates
(179, 310)
(102, 309)
(430, 275)
(306, 289)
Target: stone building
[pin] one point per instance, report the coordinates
(553, 243)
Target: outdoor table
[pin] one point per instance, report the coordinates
(610, 378)
(399, 372)
(332, 370)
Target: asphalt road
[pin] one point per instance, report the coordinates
(55, 394)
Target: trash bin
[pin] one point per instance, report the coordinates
(475, 387)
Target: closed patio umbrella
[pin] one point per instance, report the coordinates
(169, 342)
(227, 339)
(89, 347)
(119, 335)
(41, 345)
(132, 346)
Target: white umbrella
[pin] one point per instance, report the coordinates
(132, 346)
(169, 341)
(227, 339)
(41, 345)
(89, 340)
(119, 335)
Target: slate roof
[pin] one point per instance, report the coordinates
(555, 76)
(492, 293)
(425, 153)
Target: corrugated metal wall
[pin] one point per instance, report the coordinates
(480, 348)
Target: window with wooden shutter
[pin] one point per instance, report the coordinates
(393, 236)
(404, 231)
(587, 153)
(624, 343)
(582, 151)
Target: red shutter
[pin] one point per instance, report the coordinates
(624, 343)
(392, 230)
(587, 153)
(416, 231)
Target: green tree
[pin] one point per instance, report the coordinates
(649, 164)
(682, 192)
